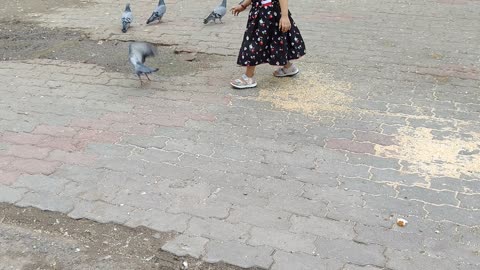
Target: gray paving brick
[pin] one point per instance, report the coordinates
(395, 206)
(300, 261)
(77, 173)
(343, 169)
(184, 245)
(362, 254)
(298, 205)
(310, 176)
(158, 220)
(145, 141)
(427, 195)
(260, 217)
(447, 247)
(388, 237)
(453, 214)
(41, 183)
(124, 165)
(367, 186)
(327, 228)
(296, 159)
(404, 260)
(358, 267)
(281, 239)
(374, 161)
(469, 201)
(275, 186)
(242, 196)
(47, 201)
(237, 153)
(190, 146)
(11, 195)
(101, 212)
(393, 176)
(453, 184)
(333, 196)
(109, 150)
(351, 213)
(154, 155)
(218, 229)
(139, 199)
(204, 208)
(239, 254)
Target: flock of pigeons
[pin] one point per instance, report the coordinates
(138, 51)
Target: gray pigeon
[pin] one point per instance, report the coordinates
(158, 12)
(137, 52)
(217, 13)
(127, 18)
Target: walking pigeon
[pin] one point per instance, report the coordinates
(137, 52)
(158, 12)
(126, 18)
(217, 13)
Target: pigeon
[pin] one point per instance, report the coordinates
(158, 12)
(137, 52)
(126, 18)
(217, 13)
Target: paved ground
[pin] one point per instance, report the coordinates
(303, 173)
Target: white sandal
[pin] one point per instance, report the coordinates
(286, 72)
(244, 82)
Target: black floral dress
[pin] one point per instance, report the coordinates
(263, 41)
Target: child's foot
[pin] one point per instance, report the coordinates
(286, 72)
(244, 82)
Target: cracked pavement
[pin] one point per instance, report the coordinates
(301, 173)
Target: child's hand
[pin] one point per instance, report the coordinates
(285, 24)
(237, 9)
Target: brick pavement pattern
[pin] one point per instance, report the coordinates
(307, 173)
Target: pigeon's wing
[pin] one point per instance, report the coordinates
(127, 17)
(141, 50)
(157, 13)
(220, 11)
(137, 52)
(160, 10)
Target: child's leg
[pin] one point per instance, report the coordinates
(250, 72)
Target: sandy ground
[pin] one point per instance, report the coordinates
(35, 239)
(20, 40)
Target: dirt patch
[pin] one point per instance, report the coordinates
(18, 9)
(312, 92)
(35, 239)
(20, 41)
(450, 156)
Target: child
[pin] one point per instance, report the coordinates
(271, 37)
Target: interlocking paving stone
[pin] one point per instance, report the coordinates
(302, 261)
(186, 245)
(227, 170)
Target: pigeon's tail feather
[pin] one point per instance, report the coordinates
(210, 17)
(143, 69)
(152, 18)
